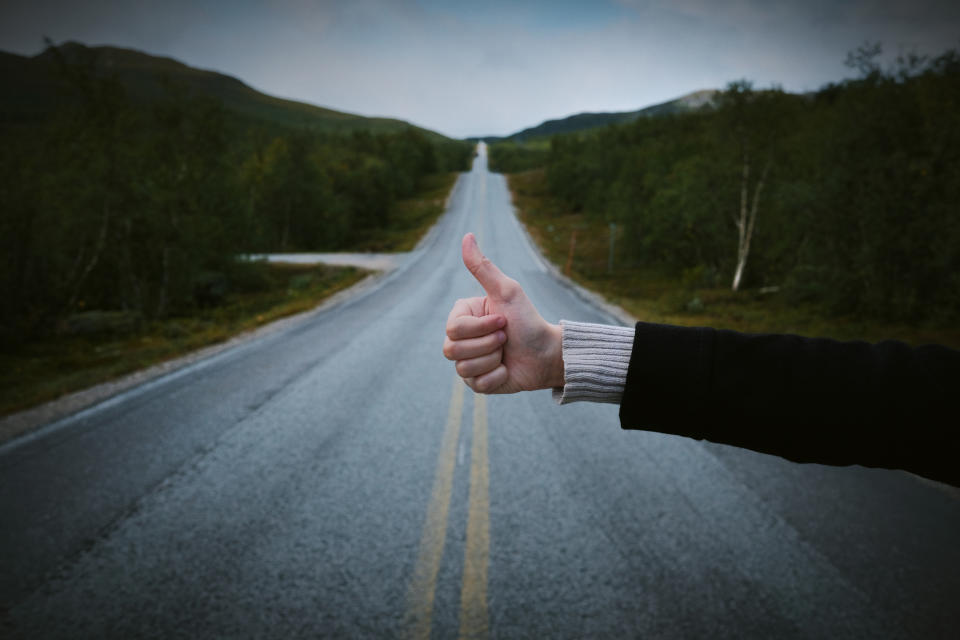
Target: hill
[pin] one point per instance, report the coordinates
(32, 87)
(583, 121)
(131, 183)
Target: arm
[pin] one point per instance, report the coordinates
(807, 400)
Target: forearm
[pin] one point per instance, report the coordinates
(808, 400)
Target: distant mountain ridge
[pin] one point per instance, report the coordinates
(584, 121)
(30, 88)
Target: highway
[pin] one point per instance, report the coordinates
(335, 479)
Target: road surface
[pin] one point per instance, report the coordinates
(335, 480)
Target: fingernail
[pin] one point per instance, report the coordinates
(501, 337)
(501, 321)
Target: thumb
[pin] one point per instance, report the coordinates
(486, 273)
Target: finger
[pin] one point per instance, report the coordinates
(473, 347)
(479, 366)
(471, 327)
(486, 273)
(489, 382)
(466, 307)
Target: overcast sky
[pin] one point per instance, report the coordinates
(493, 67)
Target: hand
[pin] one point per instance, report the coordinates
(499, 341)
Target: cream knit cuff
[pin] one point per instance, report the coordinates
(595, 362)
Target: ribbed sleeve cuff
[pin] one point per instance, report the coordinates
(595, 362)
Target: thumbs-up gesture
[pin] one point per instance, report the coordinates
(499, 341)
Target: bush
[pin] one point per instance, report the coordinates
(210, 288)
(92, 323)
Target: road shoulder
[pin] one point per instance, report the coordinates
(22, 422)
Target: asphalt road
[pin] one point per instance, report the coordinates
(334, 480)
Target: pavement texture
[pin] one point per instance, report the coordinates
(334, 479)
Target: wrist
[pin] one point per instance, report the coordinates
(595, 360)
(555, 373)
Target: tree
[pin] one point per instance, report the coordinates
(753, 120)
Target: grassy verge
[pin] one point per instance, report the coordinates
(43, 369)
(410, 218)
(655, 297)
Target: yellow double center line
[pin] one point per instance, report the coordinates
(474, 618)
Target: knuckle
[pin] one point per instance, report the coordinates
(510, 288)
(485, 385)
(448, 349)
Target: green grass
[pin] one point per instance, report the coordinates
(44, 369)
(655, 297)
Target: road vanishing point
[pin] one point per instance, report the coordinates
(335, 479)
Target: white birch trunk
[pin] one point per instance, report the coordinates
(741, 263)
(747, 221)
(742, 223)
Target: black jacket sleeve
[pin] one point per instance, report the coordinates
(808, 400)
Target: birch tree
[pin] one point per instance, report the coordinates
(753, 122)
(747, 219)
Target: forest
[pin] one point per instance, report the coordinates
(114, 203)
(846, 198)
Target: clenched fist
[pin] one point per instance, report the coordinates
(499, 341)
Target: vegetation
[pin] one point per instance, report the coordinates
(96, 346)
(513, 157)
(693, 297)
(113, 203)
(35, 90)
(411, 217)
(585, 121)
(844, 201)
(126, 199)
